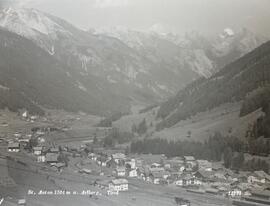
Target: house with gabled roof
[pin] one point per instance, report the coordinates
(262, 175)
(118, 185)
(120, 171)
(51, 158)
(257, 177)
(14, 147)
(119, 157)
(37, 150)
(133, 173)
(190, 162)
(158, 177)
(203, 175)
(204, 165)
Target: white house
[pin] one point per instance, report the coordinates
(41, 158)
(254, 178)
(262, 176)
(92, 156)
(14, 147)
(37, 150)
(179, 182)
(118, 185)
(25, 114)
(21, 202)
(118, 157)
(190, 162)
(120, 171)
(133, 173)
(187, 180)
(204, 165)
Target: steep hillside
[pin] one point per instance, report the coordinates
(31, 78)
(231, 84)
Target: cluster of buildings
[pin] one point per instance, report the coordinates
(41, 151)
(199, 176)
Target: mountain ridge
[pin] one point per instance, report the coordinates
(106, 67)
(231, 84)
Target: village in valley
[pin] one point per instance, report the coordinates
(57, 164)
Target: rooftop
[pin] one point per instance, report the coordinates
(119, 156)
(37, 148)
(262, 174)
(51, 157)
(120, 169)
(189, 158)
(13, 145)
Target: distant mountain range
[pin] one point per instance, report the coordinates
(193, 51)
(245, 79)
(48, 62)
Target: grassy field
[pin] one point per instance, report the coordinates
(224, 119)
(126, 122)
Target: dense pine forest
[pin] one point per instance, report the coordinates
(229, 149)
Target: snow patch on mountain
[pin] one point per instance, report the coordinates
(228, 32)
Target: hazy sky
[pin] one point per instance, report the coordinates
(175, 15)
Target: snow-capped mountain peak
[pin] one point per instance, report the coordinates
(228, 32)
(241, 41)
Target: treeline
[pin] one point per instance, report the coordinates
(14, 101)
(216, 148)
(212, 149)
(116, 137)
(231, 84)
(258, 99)
(147, 109)
(140, 129)
(107, 122)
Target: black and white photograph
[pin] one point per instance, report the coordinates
(134, 102)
